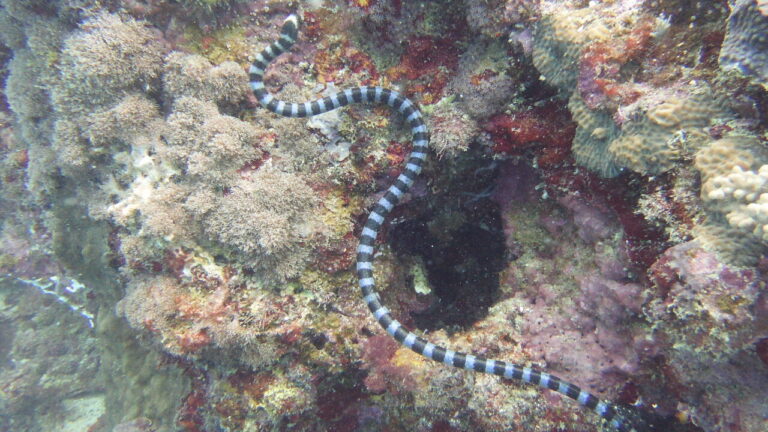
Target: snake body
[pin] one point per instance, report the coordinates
(621, 418)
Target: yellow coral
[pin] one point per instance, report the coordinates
(338, 210)
(664, 134)
(224, 44)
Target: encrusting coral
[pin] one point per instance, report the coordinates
(620, 124)
(745, 46)
(664, 134)
(595, 133)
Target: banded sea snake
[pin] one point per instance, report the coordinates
(622, 418)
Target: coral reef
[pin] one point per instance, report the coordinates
(452, 129)
(280, 212)
(597, 209)
(664, 135)
(484, 79)
(594, 135)
(622, 123)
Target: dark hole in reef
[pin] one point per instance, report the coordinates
(462, 261)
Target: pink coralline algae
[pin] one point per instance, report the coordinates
(383, 375)
(592, 222)
(593, 341)
(693, 285)
(711, 321)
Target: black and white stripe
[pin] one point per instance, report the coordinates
(621, 418)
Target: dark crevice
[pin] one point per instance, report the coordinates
(462, 260)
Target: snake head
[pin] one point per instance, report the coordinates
(291, 26)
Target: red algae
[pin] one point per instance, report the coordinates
(339, 256)
(192, 341)
(645, 240)
(600, 81)
(547, 130)
(425, 67)
(335, 65)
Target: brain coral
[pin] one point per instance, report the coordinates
(655, 141)
(557, 48)
(746, 40)
(595, 132)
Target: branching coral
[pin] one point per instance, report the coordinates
(733, 186)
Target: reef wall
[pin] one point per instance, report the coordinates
(596, 205)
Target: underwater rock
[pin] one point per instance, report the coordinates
(707, 316)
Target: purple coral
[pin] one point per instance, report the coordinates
(593, 223)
